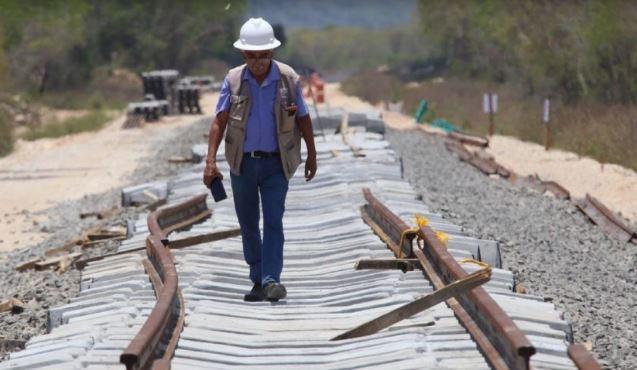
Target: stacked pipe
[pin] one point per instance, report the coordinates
(161, 85)
(188, 99)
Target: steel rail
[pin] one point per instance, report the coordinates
(166, 319)
(491, 328)
(582, 358)
(469, 139)
(597, 212)
(558, 190)
(460, 150)
(168, 219)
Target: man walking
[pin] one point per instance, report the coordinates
(262, 108)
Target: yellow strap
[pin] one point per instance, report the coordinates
(421, 220)
(474, 262)
(443, 237)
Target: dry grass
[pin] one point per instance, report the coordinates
(91, 121)
(607, 133)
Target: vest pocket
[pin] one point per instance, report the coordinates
(238, 110)
(287, 122)
(291, 151)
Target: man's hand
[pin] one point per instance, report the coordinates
(305, 124)
(216, 134)
(310, 167)
(210, 173)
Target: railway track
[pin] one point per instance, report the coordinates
(594, 210)
(172, 295)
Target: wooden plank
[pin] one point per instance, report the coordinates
(410, 309)
(405, 264)
(154, 205)
(179, 159)
(27, 265)
(105, 236)
(110, 233)
(100, 215)
(203, 238)
(94, 243)
(12, 304)
(56, 261)
(65, 248)
(176, 244)
(150, 195)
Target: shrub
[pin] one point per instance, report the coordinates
(6, 136)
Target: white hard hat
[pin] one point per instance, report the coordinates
(256, 34)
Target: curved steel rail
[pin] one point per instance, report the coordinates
(500, 340)
(166, 318)
(502, 343)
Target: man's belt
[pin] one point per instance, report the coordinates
(261, 154)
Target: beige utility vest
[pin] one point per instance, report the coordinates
(288, 132)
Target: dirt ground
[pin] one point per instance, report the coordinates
(40, 173)
(614, 185)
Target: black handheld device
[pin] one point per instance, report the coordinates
(217, 190)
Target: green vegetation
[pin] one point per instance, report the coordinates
(91, 121)
(86, 54)
(577, 50)
(60, 45)
(6, 136)
(582, 54)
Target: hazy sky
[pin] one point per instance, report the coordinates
(318, 14)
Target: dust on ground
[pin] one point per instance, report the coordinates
(613, 185)
(39, 174)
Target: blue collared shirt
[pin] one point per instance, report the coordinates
(261, 126)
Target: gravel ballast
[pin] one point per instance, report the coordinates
(41, 290)
(550, 246)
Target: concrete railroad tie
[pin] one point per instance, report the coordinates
(325, 236)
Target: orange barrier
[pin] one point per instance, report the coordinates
(314, 88)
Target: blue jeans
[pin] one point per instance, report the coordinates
(264, 177)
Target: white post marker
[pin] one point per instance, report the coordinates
(490, 106)
(546, 117)
(485, 103)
